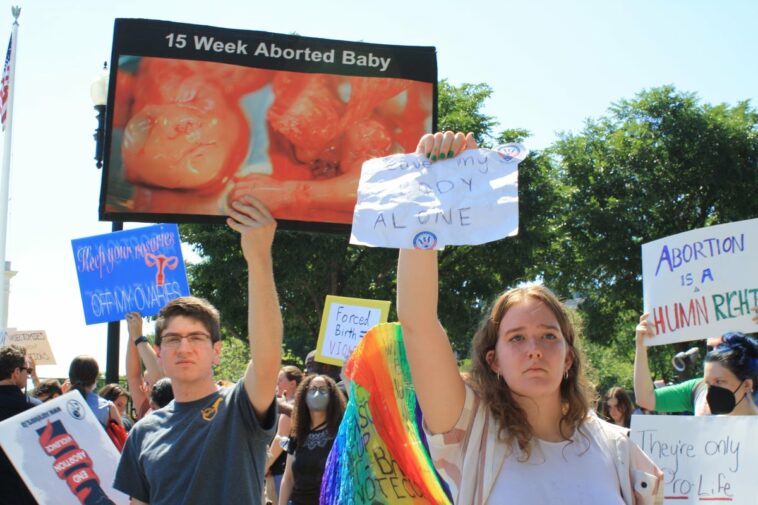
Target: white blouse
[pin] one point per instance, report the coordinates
(576, 472)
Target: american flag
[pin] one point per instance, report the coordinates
(6, 83)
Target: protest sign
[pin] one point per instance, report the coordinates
(63, 453)
(703, 458)
(408, 202)
(132, 270)
(203, 115)
(34, 341)
(701, 283)
(343, 324)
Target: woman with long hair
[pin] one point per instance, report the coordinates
(319, 406)
(617, 407)
(83, 373)
(521, 429)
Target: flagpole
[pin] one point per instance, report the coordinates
(6, 171)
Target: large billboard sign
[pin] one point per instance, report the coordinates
(202, 115)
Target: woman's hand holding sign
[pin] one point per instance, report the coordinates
(441, 145)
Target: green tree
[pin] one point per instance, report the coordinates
(658, 164)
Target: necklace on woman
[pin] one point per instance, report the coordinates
(318, 427)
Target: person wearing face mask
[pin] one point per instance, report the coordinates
(731, 374)
(318, 411)
(731, 355)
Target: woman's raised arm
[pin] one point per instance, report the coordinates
(439, 387)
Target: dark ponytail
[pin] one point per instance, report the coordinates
(83, 373)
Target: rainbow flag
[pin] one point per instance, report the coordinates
(380, 454)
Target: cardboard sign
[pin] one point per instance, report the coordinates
(131, 270)
(34, 341)
(703, 458)
(62, 453)
(204, 115)
(406, 201)
(701, 283)
(343, 325)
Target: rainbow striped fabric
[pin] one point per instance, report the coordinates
(380, 454)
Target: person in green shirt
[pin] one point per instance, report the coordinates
(731, 371)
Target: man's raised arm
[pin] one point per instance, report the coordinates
(257, 227)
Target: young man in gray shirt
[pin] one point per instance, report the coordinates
(209, 444)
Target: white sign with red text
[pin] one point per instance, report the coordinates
(63, 453)
(704, 459)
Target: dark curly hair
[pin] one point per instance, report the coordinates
(11, 358)
(576, 391)
(301, 414)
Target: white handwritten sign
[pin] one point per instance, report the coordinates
(406, 201)
(703, 458)
(343, 325)
(63, 453)
(701, 283)
(34, 341)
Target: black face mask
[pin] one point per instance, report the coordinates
(721, 400)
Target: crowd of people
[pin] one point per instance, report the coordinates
(521, 426)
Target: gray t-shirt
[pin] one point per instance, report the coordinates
(211, 450)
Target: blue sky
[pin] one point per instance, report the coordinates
(551, 64)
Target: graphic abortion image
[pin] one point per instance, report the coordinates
(205, 115)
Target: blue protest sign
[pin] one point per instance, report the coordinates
(132, 270)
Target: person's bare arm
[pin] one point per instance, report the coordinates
(285, 488)
(114, 415)
(439, 387)
(134, 379)
(257, 227)
(282, 431)
(35, 377)
(135, 501)
(644, 390)
(145, 351)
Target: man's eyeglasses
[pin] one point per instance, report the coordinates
(174, 340)
(28, 370)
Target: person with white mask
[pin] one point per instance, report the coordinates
(319, 406)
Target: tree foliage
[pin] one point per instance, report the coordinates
(658, 164)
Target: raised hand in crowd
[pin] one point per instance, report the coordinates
(140, 353)
(644, 390)
(253, 221)
(35, 377)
